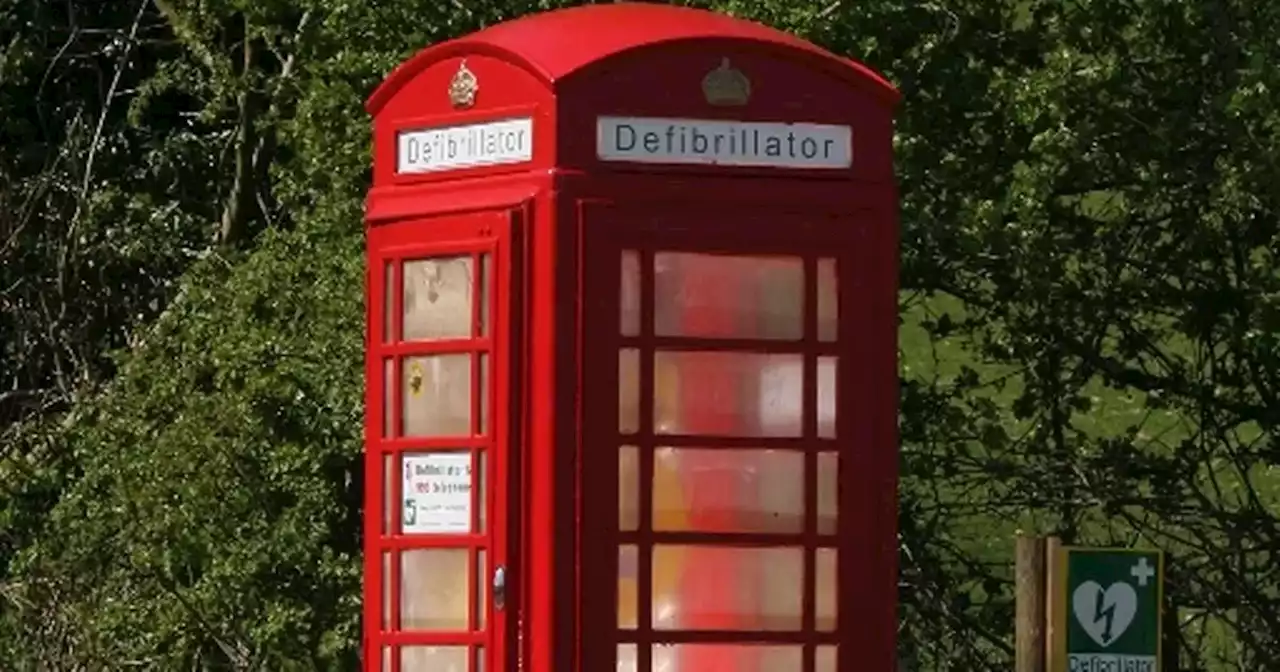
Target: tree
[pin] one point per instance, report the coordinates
(1090, 312)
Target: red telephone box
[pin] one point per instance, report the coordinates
(632, 366)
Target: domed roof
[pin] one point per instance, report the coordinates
(555, 44)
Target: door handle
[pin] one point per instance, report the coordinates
(499, 587)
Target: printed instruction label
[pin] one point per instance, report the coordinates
(436, 493)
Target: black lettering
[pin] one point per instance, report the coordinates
(809, 147)
(791, 144)
(826, 148)
(651, 142)
(716, 144)
(624, 137)
(699, 142)
(413, 149)
(772, 147)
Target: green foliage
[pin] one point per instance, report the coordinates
(216, 521)
(1089, 339)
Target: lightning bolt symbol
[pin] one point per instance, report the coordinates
(1102, 610)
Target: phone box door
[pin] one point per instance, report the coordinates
(440, 452)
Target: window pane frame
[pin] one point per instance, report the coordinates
(819, 341)
(489, 311)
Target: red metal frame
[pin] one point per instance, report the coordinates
(481, 234)
(608, 232)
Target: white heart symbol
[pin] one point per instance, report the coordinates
(1104, 614)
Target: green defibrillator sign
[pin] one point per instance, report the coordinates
(1109, 603)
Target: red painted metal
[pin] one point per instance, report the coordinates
(539, 44)
(556, 226)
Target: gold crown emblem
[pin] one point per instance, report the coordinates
(726, 85)
(463, 88)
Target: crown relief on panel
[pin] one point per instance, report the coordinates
(726, 86)
(463, 87)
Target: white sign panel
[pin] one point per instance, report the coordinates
(723, 143)
(437, 493)
(449, 148)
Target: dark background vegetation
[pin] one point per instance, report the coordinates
(1090, 338)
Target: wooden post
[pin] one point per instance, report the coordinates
(1030, 595)
(1053, 629)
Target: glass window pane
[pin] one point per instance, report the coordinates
(630, 300)
(386, 591)
(721, 296)
(628, 489)
(482, 489)
(481, 579)
(724, 490)
(828, 300)
(433, 659)
(728, 394)
(486, 291)
(434, 593)
(828, 493)
(484, 393)
(727, 588)
(437, 298)
(436, 395)
(770, 657)
(386, 659)
(481, 664)
(388, 298)
(827, 397)
(388, 400)
(825, 658)
(388, 473)
(627, 658)
(628, 391)
(628, 560)
(825, 588)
